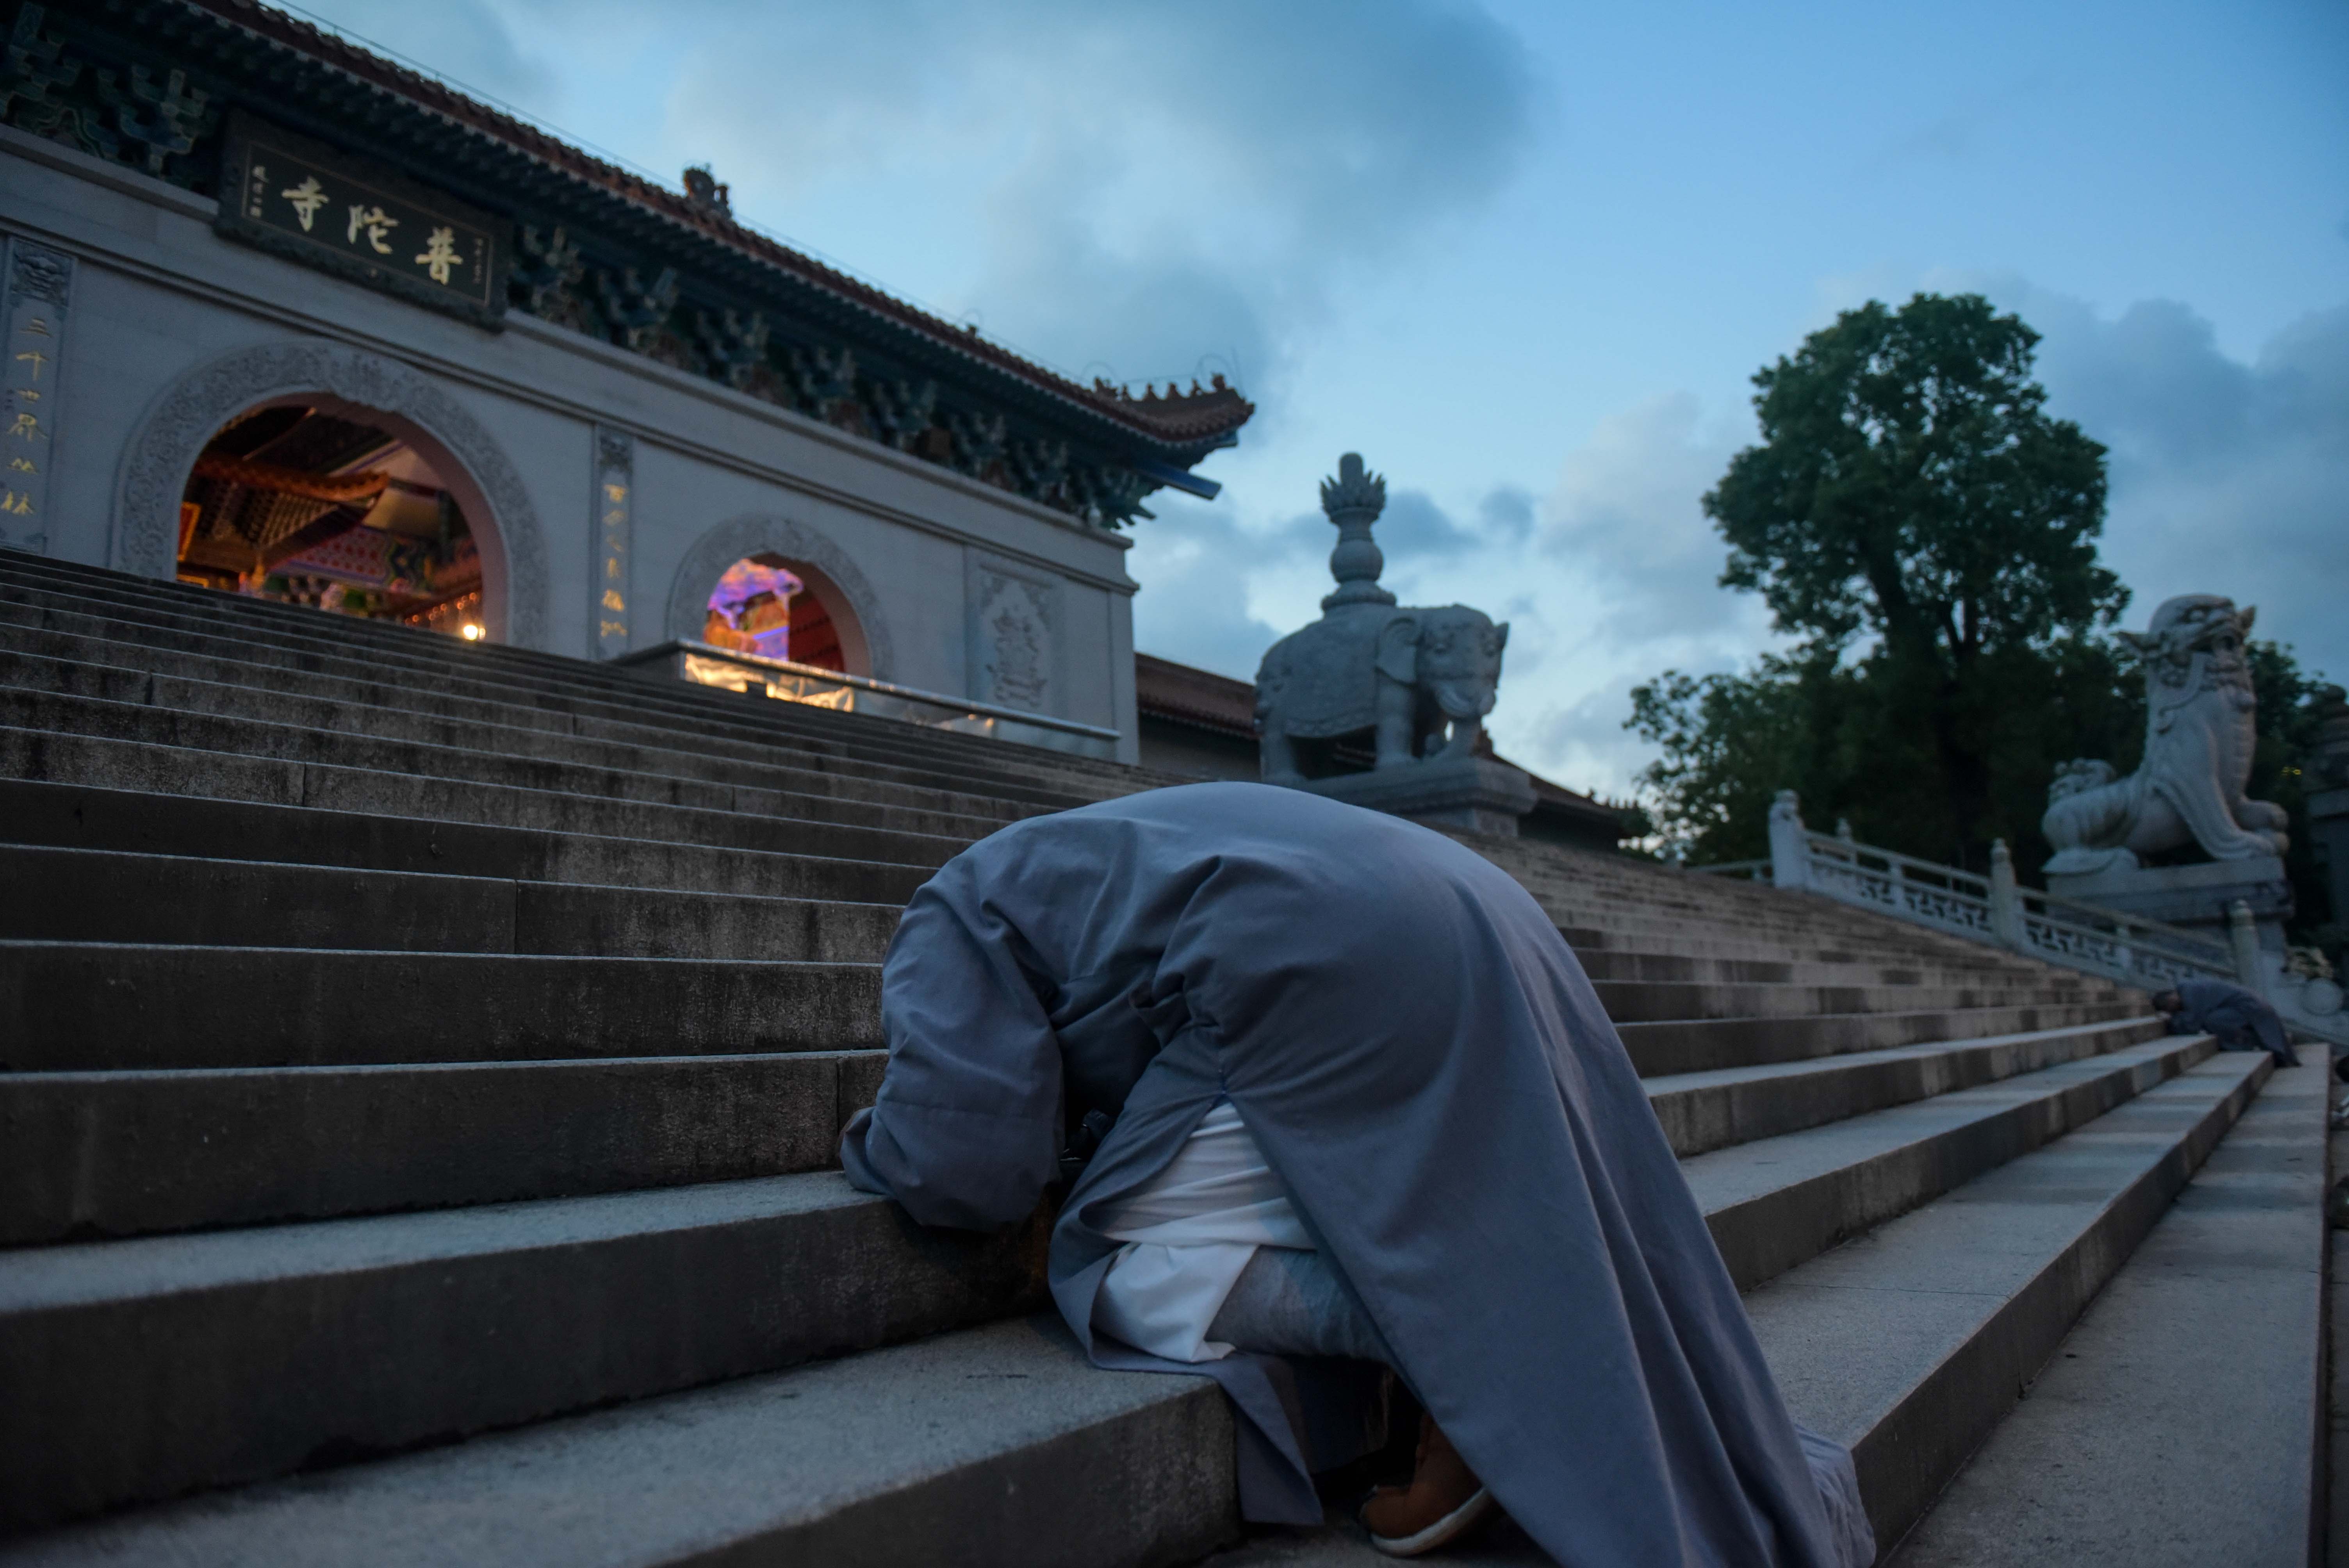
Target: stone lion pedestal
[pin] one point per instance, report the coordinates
(2196, 897)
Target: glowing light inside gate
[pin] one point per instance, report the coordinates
(750, 610)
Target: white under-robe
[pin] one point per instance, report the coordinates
(1188, 1232)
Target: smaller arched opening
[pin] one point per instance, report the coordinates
(777, 607)
(319, 503)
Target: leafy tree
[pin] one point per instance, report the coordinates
(1729, 742)
(1841, 734)
(2288, 714)
(1913, 505)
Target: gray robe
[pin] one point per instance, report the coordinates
(1427, 1069)
(2241, 1019)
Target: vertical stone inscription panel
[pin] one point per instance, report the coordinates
(33, 327)
(616, 500)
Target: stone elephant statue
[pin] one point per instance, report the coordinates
(1419, 681)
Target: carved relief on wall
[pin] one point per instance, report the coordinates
(1015, 656)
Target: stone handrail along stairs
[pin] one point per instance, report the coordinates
(1998, 910)
(421, 1064)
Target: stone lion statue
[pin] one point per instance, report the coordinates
(2200, 727)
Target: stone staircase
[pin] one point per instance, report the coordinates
(421, 1064)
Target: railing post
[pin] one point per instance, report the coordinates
(2005, 898)
(1790, 843)
(2251, 965)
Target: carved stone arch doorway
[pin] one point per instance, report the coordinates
(483, 480)
(825, 570)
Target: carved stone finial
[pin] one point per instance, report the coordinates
(1354, 500)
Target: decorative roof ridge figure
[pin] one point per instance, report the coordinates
(1353, 501)
(1411, 683)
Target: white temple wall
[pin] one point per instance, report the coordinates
(974, 592)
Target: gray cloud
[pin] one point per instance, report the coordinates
(1627, 514)
(1506, 514)
(1140, 191)
(1154, 184)
(1583, 744)
(1198, 568)
(1413, 525)
(1193, 562)
(465, 40)
(2228, 477)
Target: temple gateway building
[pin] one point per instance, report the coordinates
(285, 319)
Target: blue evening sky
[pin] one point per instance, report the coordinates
(1525, 257)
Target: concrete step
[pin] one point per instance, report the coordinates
(150, 768)
(1788, 938)
(462, 764)
(582, 693)
(82, 1006)
(1945, 1314)
(1776, 1202)
(102, 895)
(83, 817)
(126, 672)
(1605, 963)
(159, 604)
(993, 1446)
(1707, 1045)
(1645, 1001)
(65, 816)
(93, 1155)
(1569, 877)
(2181, 1421)
(109, 896)
(257, 1308)
(1003, 1405)
(154, 613)
(120, 1154)
(1820, 921)
(1708, 1111)
(1909, 1344)
(142, 1369)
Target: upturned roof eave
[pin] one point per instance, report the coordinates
(520, 154)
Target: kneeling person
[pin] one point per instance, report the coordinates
(2240, 1018)
(1354, 1099)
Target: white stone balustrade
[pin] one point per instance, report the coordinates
(1998, 911)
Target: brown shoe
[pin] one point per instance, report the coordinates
(1443, 1502)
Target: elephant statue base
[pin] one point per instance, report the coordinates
(1466, 794)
